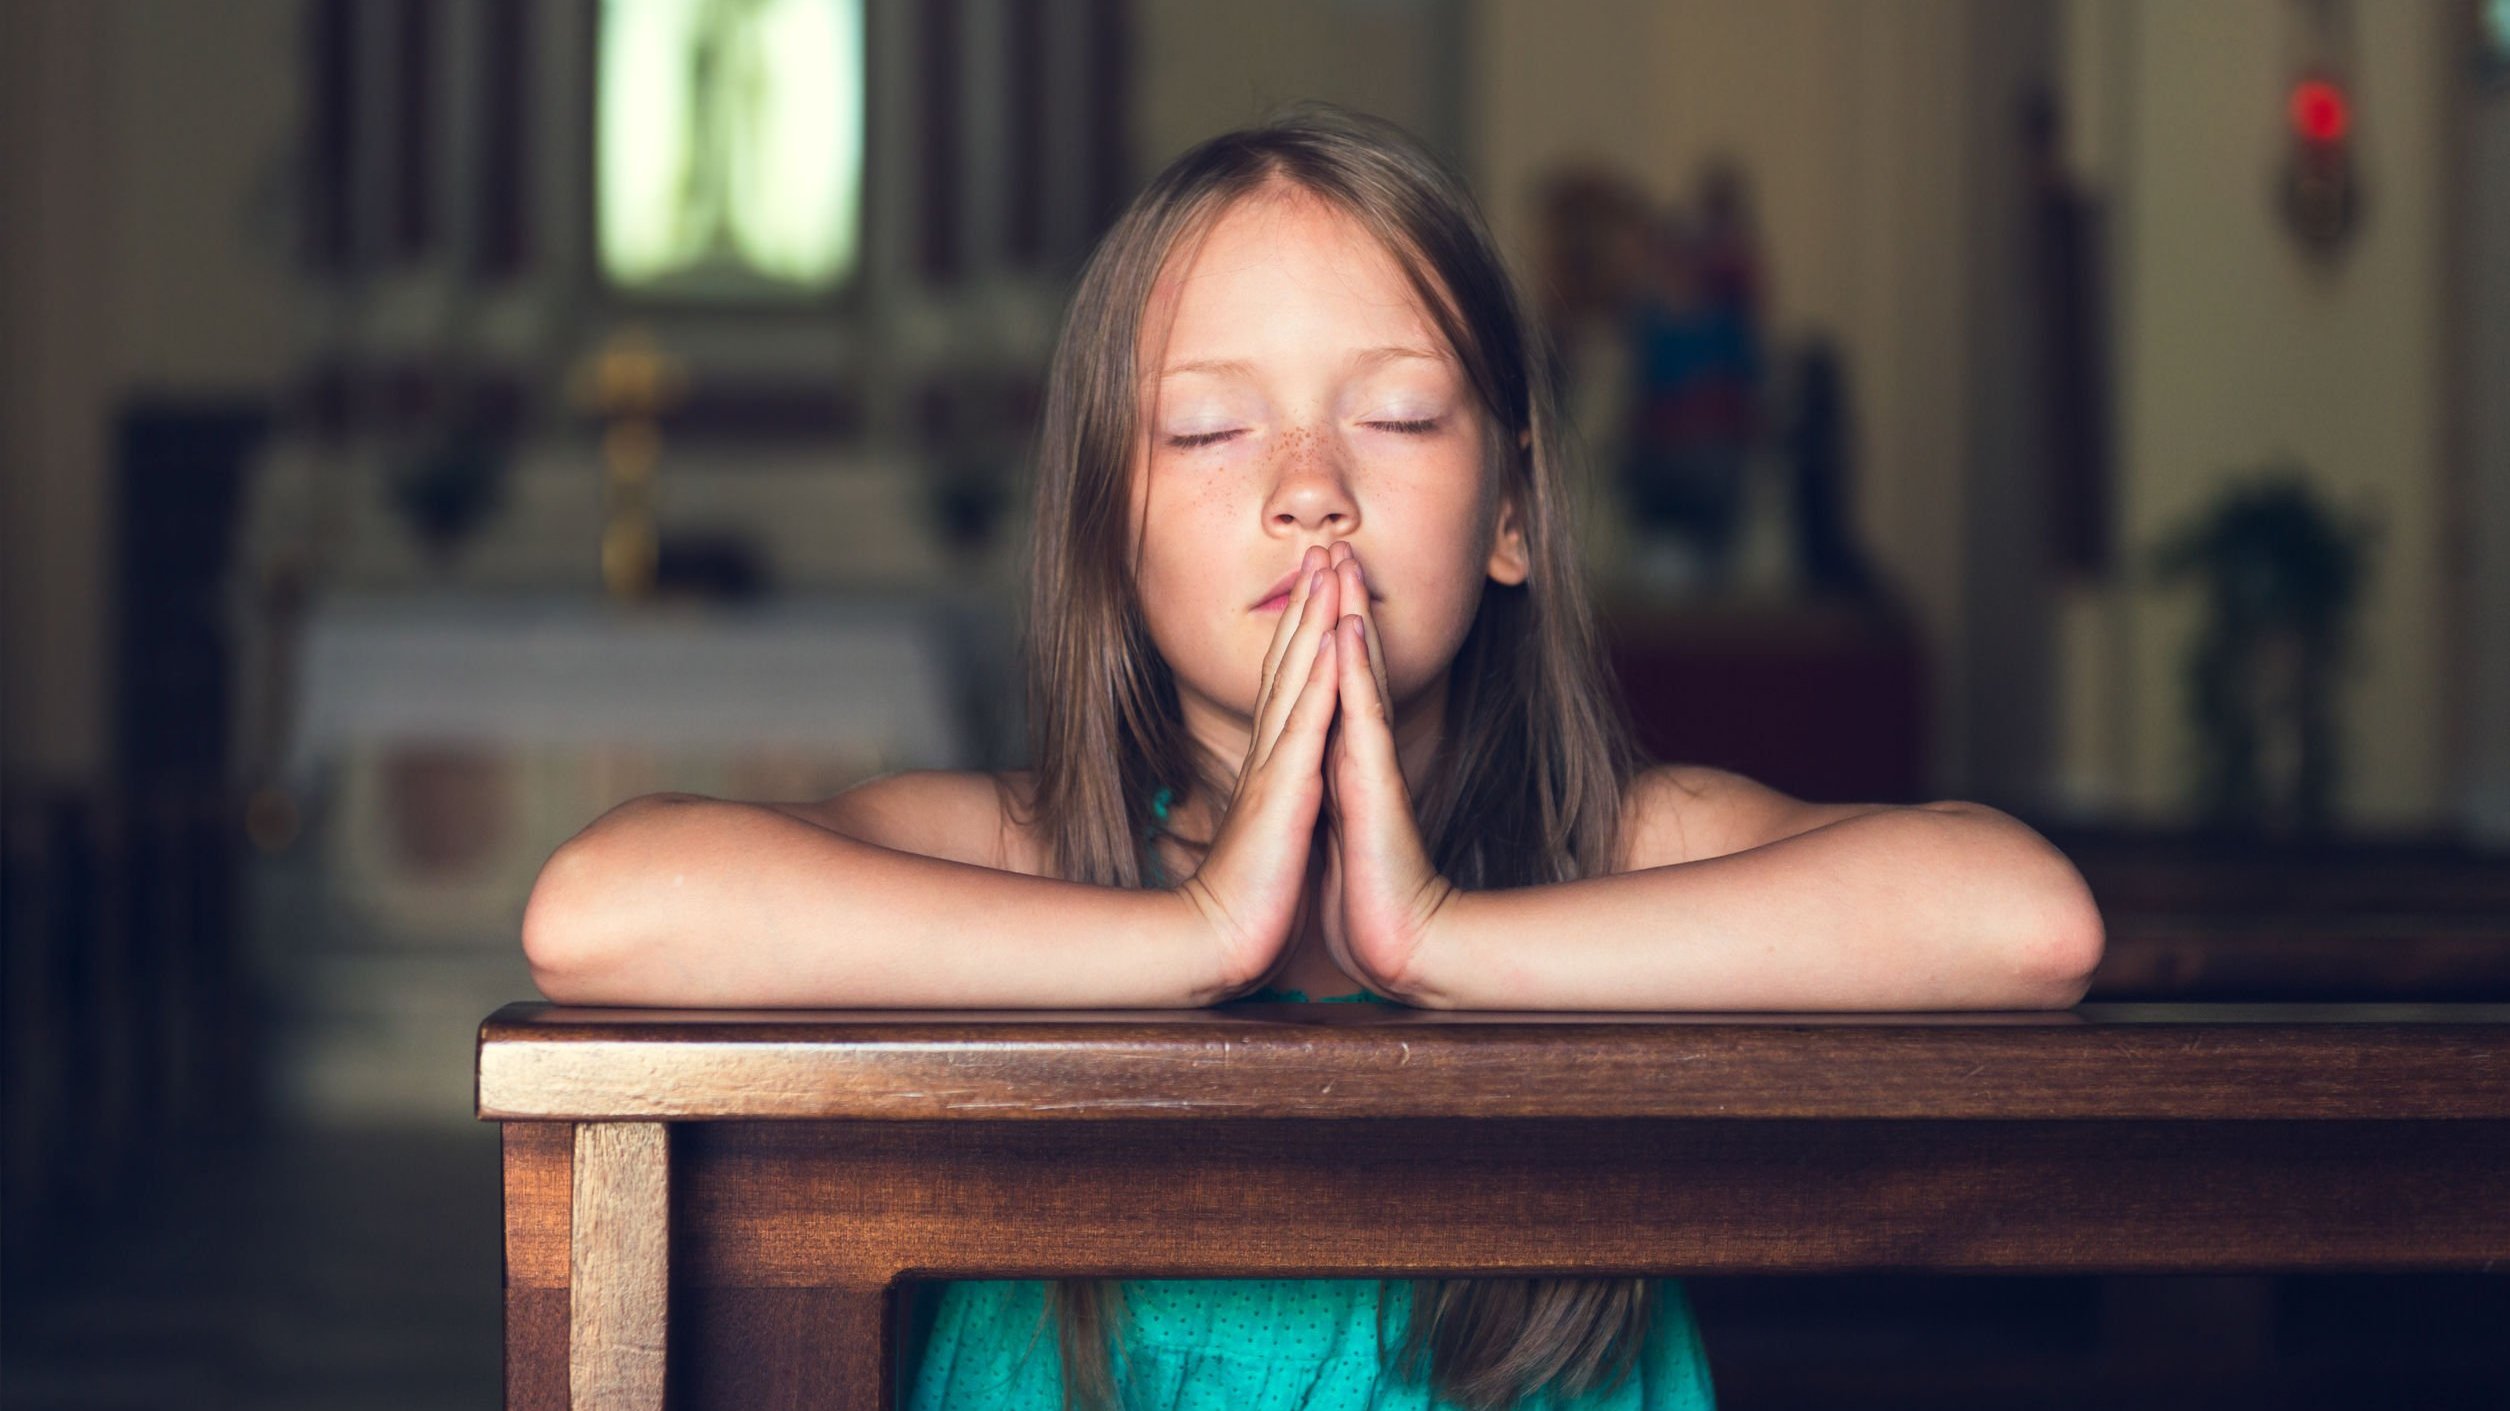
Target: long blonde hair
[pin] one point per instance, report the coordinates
(1528, 782)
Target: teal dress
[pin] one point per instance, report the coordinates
(1247, 1344)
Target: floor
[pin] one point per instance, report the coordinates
(319, 1268)
(357, 1267)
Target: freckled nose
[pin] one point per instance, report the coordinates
(1309, 489)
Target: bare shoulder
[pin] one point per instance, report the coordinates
(1691, 812)
(963, 815)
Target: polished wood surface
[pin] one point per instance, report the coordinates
(538, 1063)
(2204, 918)
(821, 1162)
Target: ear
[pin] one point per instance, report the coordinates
(1509, 562)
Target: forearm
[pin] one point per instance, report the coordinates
(708, 903)
(1929, 908)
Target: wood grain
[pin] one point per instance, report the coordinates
(1292, 1061)
(817, 1166)
(620, 1272)
(826, 1204)
(539, 1191)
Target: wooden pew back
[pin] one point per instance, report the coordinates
(720, 1207)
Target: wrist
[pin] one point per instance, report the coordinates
(1220, 968)
(1428, 977)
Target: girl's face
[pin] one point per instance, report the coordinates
(1295, 394)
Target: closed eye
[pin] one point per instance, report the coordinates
(1213, 438)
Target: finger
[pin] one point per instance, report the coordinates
(1367, 724)
(1300, 747)
(1315, 623)
(1298, 659)
(1377, 663)
(1289, 623)
(1355, 602)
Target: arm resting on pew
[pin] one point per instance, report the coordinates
(1936, 906)
(685, 901)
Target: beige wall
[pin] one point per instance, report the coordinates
(144, 117)
(2484, 473)
(54, 365)
(2233, 348)
(1852, 120)
(205, 103)
(1200, 69)
(145, 184)
(1855, 120)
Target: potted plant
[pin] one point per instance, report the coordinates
(2282, 575)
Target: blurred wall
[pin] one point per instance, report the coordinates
(153, 154)
(2483, 543)
(1854, 123)
(2233, 348)
(53, 358)
(144, 182)
(1870, 132)
(1201, 69)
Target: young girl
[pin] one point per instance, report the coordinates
(1316, 709)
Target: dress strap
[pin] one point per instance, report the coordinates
(1156, 874)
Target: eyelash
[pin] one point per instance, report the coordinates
(1207, 438)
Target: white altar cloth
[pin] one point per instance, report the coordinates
(859, 674)
(442, 745)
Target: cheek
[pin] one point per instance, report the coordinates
(1196, 614)
(1193, 532)
(1431, 604)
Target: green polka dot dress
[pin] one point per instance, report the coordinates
(1247, 1344)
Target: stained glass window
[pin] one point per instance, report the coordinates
(729, 145)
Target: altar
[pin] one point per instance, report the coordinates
(441, 746)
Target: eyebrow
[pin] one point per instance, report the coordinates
(1240, 367)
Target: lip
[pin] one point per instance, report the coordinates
(1277, 596)
(1280, 589)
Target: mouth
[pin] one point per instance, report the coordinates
(1278, 596)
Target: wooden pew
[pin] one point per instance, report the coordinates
(2156, 872)
(2212, 918)
(718, 1208)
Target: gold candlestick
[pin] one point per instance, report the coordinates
(630, 383)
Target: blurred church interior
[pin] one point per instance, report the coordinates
(428, 423)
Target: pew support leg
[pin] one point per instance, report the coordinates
(619, 1266)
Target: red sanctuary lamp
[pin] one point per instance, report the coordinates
(2321, 197)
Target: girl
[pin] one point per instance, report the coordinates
(1315, 703)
